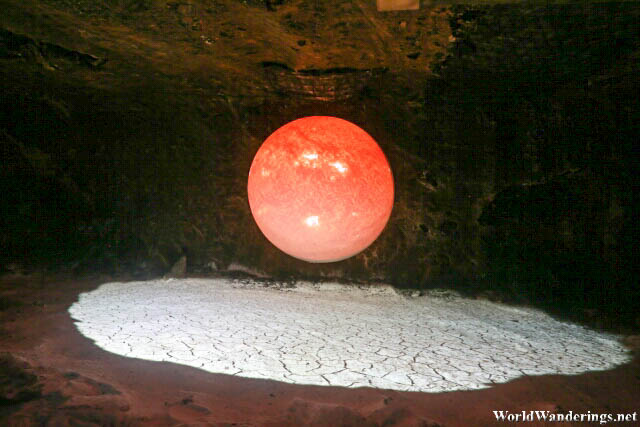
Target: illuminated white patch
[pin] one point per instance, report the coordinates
(312, 221)
(265, 172)
(338, 335)
(354, 213)
(309, 160)
(339, 166)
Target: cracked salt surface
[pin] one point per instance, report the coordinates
(339, 335)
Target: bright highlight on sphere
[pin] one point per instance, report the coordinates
(320, 189)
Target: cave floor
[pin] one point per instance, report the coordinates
(53, 375)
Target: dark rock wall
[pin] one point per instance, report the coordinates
(558, 85)
(511, 136)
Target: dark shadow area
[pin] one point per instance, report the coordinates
(511, 137)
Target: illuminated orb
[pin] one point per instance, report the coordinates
(320, 189)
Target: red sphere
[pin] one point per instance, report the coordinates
(320, 189)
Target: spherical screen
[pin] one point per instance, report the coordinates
(320, 189)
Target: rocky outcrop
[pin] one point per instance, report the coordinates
(18, 383)
(332, 84)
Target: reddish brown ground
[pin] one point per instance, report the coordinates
(80, 384)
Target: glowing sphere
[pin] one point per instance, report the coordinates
(320, 189)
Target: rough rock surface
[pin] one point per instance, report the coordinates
(128, 128)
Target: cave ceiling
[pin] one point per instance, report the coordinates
(227, 48)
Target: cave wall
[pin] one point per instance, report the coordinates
(510, 130)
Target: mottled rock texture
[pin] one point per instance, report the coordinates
(127, 130)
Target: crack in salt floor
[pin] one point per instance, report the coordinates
(338, 335)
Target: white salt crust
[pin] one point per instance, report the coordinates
(337, 335)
